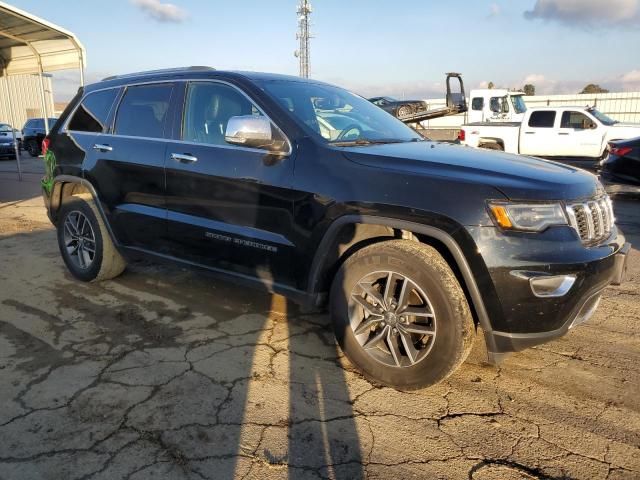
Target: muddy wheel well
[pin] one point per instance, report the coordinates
(62, 191)
(353, 237)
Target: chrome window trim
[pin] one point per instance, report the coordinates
(177, 80)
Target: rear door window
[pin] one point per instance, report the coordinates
(575, 120)
(143, 111)
(91, 115)
(542, 119)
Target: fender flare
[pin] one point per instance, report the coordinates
(59, 179)
(445, 238)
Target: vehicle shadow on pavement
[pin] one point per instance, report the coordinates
(164, 373)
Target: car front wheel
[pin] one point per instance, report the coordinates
(400, 314)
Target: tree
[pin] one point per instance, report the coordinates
(594, 88)
(529, 90)
(491, 85)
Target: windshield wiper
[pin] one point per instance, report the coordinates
(364, 141)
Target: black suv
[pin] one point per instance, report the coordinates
(413, 244)
(33, 133)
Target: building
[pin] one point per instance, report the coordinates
(26, 98)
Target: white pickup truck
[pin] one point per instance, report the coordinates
(564, 132)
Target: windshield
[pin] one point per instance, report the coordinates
(602, 117)
(338, 116)
(518, 104)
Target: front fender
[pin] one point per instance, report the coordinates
(458, 244)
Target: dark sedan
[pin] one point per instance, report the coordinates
(622, 165)
(7, 149)
(400, 108)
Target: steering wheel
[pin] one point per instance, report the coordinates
(348, 129)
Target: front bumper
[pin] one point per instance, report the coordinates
(521, 319)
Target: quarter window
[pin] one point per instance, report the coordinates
(91, 115)
(208, 108)
(477, 103)
(542, 119)
(143, 111)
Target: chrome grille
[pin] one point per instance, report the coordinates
(593, 220)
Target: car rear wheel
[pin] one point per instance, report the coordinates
(404, 111)
(492, 146)
(400, 314)
(32, 148)
(84, 241)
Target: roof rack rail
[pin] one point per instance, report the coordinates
(161, 71)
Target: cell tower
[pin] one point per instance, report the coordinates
(304, 36)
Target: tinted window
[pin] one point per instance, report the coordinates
(208, 108)
(477, 103)
(542, 119)
(143, 110)
(91, 115)
(35, 123)
(575, 120)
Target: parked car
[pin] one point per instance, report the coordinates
(411, 244)
(400, 108)
(33, 133)
(575, 134)
(7, 147)
(621, 167)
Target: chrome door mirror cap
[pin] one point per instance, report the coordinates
(252, 131)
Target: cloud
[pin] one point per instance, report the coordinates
(161, 12)
(534, 78)
(587, 13)
(630, 81)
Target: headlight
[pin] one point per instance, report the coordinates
(532, 217)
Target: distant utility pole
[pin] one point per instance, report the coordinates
(304, 36)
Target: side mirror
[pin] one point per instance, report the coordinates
(250, 131)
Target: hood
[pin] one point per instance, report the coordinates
(517, 177)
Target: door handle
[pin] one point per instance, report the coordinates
(529, 133)
(183, 158)
(102, 147)
(563, 133)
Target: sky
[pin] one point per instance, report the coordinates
(373, 47)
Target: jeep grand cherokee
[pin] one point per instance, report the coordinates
(413, 244)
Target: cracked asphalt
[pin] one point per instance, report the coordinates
(165, 373)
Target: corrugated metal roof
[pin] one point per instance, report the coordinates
(26, 40)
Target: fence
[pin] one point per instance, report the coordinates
(623, 106)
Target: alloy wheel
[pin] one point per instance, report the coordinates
(392, 319)
(79, 239)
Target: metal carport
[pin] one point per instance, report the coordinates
(30, 45)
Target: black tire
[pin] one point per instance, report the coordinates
(33, 148)
(453, 337)
(106, 263)
(492, 146)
